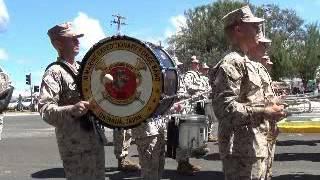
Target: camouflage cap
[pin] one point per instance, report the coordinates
(262, 38)
(194, 59)
(65, 29)
(205, 66)
(267, 59)
(240, 15)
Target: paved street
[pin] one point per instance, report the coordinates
(29, 151)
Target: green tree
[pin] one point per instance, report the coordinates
(204, 35)
(285, 28)
(307, 56)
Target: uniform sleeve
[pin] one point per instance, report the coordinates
(191, 86)
(317, 74)
(48, 106)
(226, 98)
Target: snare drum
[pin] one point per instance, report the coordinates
(144, 82)
(193, 131)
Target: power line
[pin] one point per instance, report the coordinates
(119, 21)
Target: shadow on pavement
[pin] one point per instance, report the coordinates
(212, 157)
(49, 173)
(296, 177)
(168, 174)
(203, 175)
(314, 157)
(113, 173)
(298, 142)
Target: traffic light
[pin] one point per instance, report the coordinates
(28, 79)
(35, 88)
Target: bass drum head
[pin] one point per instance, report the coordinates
(134, 93)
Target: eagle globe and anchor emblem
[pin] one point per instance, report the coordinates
(134, 94)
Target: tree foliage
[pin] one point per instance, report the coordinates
(294, 49)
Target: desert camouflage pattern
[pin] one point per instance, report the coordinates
(237, 97)
(1, 123)
(122, 139)
(317, 75)
(193, 82)
(239, 100)
(150, 140)
(81, 149)
(244, 168)
(273, 130)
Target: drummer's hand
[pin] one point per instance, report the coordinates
(80, 108)
(178, 107)
(275, 112)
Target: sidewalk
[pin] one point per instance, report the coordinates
(302, 124)
(21, 113)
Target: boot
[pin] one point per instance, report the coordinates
(185, 168)
(199, 152)
(211, 138)
(127, 165)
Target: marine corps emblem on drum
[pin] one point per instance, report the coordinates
(142, 75)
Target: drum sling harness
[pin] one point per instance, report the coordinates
(86, 122)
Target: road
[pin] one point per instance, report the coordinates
(28, 150)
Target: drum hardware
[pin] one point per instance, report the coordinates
(192, 98)
(193, 131)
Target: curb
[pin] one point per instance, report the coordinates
(303, 126)
(21, 113)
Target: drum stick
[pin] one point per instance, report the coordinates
(189, 99)
(107, 78)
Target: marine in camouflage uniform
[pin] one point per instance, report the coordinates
(122, 139)
(273, 131)
(212, 126)
(317, 77)
(150, 141)
(192, 85)
(79, 139)
(263, 62)
(239, 102)
(5, 98)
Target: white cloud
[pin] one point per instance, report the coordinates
(176, 24)
(91, 28)
(3, 54)
(4, 16)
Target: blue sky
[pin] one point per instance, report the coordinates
(25, 47)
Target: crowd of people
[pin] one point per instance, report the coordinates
(239, 86)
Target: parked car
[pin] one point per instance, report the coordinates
(12, 105)
(27, 103)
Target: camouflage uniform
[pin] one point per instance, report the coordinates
(317, 77)
(1, 123)
(122, 140)
(273, 130)
(192, 80)
(4, 101)
(79, 145)
(192, 84)
(237, 94)
(211, 117)
(150, 141)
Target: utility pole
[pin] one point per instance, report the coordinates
(119, 21)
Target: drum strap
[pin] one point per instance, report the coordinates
(66, 68)
(88, 124)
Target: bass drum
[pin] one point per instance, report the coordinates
(144, 81)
